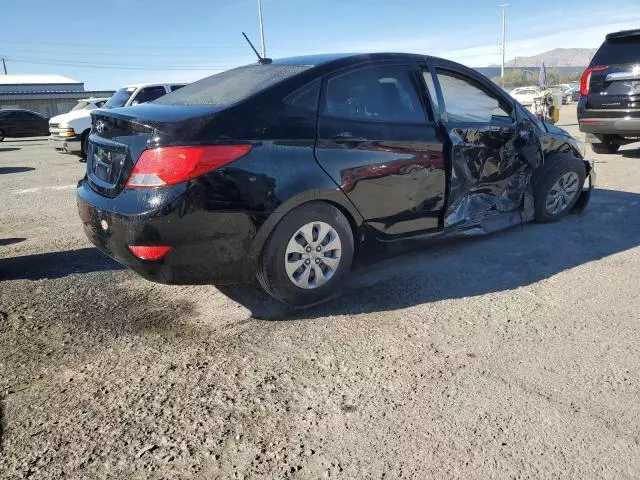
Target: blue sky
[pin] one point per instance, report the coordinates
(111, 43)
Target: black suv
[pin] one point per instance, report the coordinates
(609, 105)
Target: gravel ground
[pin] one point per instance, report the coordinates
(511, 356)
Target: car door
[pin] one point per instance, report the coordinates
(378, 141)
(24, 124)
(492, 149)
(8, 122)
(35, 125)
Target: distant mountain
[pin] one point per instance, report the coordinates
(558, 57)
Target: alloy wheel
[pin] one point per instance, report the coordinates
(562, 193)
(313, 255)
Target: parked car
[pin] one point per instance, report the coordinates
(526, 95)
(574, 92)
(16, 122)
(90, 103)
(563, 92)
(610, 92)
(70, 131)
(297, 170)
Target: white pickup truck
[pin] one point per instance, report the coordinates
(70, 131)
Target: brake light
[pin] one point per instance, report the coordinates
(149, 252)
(585, 80)
(172, 165)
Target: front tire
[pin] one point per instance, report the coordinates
(84, 147)
(1, 135)
(606, 147)
(307, 256)
(557, 189)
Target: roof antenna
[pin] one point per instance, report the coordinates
(261, 60)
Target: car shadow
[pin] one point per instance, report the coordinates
(7, 170)
(11, 241)
(9, 149)
(56, 264)
(470, 267)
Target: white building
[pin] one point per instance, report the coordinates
(47, 94)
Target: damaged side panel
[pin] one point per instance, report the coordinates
(491, 171)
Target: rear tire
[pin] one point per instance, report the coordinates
(557, 189)
(307, 256)
(606, 146)
(1, 135)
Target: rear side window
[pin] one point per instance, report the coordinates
(384, 93)
(306, 97)
(618, 50)
(176, 87)
(232, 86)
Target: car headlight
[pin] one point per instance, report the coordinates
(66, 132)
(579, 145)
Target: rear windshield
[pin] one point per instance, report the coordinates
(119, 98)
(618, 50)
(232, 86)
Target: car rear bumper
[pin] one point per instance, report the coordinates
(206, 246)
(67, 145)
(611, 126)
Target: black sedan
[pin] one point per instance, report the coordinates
(290, 171)
(22, 123)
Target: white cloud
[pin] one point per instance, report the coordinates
(532, 36)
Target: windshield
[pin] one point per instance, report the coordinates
(80, 106)
(232, 86)
(119, 98)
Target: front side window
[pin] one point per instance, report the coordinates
(149, 94)
(384, 93)
(465, 101)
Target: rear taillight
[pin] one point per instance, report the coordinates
(172, 165)
(585, 81)
(149, 252)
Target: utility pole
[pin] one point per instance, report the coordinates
(264, 50)
(4, 66)
(504, 16)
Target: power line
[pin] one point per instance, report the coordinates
(107, 66)
(237, 47)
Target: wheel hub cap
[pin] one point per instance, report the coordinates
(313, 255)
(562, 193)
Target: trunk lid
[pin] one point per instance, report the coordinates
(120, 135)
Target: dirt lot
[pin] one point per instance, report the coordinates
(512, 356)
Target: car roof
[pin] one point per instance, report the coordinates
(623, 34)
(325, 58)
(155, 84)
(7, 110)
